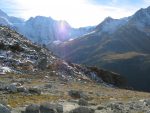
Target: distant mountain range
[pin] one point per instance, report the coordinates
(9, 20)
(43, 30)
(120, 45)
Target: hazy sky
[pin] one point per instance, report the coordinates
(76, 12)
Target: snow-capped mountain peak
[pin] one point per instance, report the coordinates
(110, 25)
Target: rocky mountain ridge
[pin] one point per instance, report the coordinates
(43, 30)
(9, 20)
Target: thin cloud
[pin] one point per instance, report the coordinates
(77, 12)
(147, 1)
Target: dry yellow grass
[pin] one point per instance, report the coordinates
(15, 100)
(98, 93)
(127, 55)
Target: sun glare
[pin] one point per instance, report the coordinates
(62, 27)
(76, 12)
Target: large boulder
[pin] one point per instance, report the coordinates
(34, 91)
(116, 107)
(78, 94)
(82, 110)
(32, 109)
(51, 108)
(75, 93)
(12, 88)
(22, 89)
(83, 102)
(42, 62)
(147, 102)
(4, 109)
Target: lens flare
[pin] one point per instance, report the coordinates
(63, 30)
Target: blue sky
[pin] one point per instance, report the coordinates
(77, 12)
(118, 2)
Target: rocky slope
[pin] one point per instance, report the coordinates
(120, 45)
(22, 56)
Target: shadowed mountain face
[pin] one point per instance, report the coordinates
(120, 45)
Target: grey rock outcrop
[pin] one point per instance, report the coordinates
(51, 108)
(33, 108)
(78, 94)
(4, 109)
(82, 110)
(83, 102)
(12, 88)
(34, 90)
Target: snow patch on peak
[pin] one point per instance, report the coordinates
(56, 42)
(110, 25)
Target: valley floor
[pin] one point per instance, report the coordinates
(51, 89)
